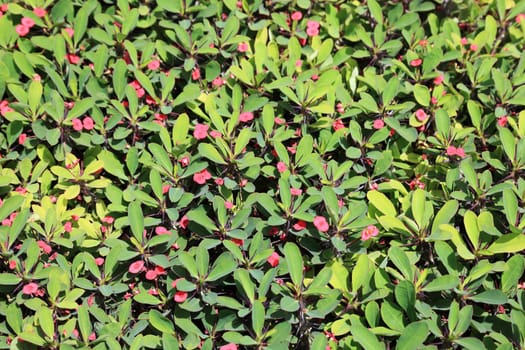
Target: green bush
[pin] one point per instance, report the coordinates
(262, 174)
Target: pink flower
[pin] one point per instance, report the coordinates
(279, 121)
(296, 191)
(439, 79)
(215, 134)
(416, 63)
(99, 261)
(136, 267)
(313, 24)
(22, 138)
(201, 131)
(92, 337)
(451, 151)
(219, 181)
(88, 123)
(218, 82)
(310, 31)
(72, 58)
(22, 30)
(520, 17)
(4, 108)
(184, 162)
(77, 124)
(464, 41)
(27, 22)
(154, 65)
(161, 230)
(228, 204)
(195, 74)
(68, 226)
(273, 259)
(184, 221)
(230, 346)
(473, 47)
(421, 115)
(338, 124)
(460, 152)
(298, 63)
(151, 275)
(321, 224)
(379, 124)
(202, 176)
(281, 167)
(108, 219)
(69, 31)
(502, 121)
(246, 117)
(296, 16)
(30, 288)
(180, 297)
(165, 189)
(370, 231)
(242, 47)
(433, 100)
(39, 12)
(46, 248)
(12, 264)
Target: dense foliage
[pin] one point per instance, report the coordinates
(262, 174)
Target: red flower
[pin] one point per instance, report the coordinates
(165, 189)
(180, 297)
(237, 241)
(184, 162)
(201, 131)
(30, 288)
(299, 225)
(502, 121)
(39, 12)
(151, 275)
(88, 123)
(439, 79)
(421, 115)
(72, 58)
(321, 224)
(184, 221)
(202, 176)
(218, 82)
(246, 117)
(12, 264)
(296, 16)
(273, 259)
(370, 231)
(136, 267)
(379, 124)
(416, 63)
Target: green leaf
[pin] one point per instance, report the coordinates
(442, 283)
(14, 316)
(136, 220)
(508, 243)
(84, 323)
(224, 265)
(242, 278)
(189, 93)
(405, 294)
(471, 226)
(413, 336)
(258, 315)
(491, 297)
(418, 206)
(112, 165)
(445, 214)
(10, 205)
(422, 94)
(189, 264)
(160, 322)
(381, 202)
(45, 319)
(510, 206)
(401, 261)
(294, 261)
(365, 338)
(514, 269)
(210, 152)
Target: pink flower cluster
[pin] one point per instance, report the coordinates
(4, 108)
(86, 124)
(138, 88)
(312, 28)
(25, 25)
(369, 232)
(453, 151)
